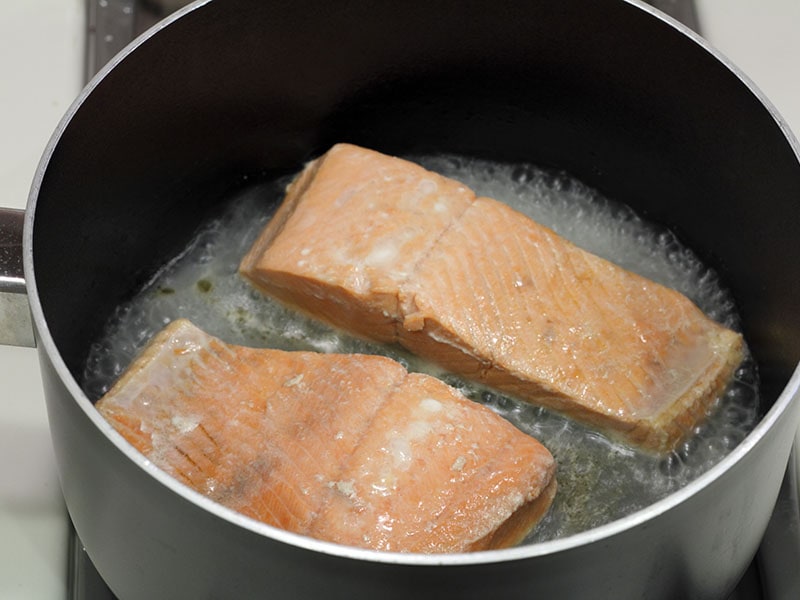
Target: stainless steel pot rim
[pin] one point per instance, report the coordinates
(790, 394)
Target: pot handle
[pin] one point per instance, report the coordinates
(16, 327)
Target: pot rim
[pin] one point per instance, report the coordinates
(790, 394)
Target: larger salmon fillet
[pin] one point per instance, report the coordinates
(385, 249)
(347, 448)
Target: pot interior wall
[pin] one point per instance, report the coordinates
(238, 91)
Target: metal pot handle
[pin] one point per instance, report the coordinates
(16, 327)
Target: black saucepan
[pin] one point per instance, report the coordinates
(227, 93)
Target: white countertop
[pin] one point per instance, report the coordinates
(41, 65)
(41, 61)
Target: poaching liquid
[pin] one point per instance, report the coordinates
(599, 480)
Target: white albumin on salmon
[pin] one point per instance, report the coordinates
(346, 448)
(387, 250)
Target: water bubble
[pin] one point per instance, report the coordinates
(520, 174)
(671, 465)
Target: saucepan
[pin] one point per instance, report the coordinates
(224, 94)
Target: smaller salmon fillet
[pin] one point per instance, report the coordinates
(350, 449)
(387, 250)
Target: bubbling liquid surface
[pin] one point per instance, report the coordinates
(599, 480)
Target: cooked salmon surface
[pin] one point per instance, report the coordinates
(387, 250)
(346, 448)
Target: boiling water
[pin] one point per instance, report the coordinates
(599, 480)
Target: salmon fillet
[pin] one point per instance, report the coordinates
(387, 250)
(346, 448)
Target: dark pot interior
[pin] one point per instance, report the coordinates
(240, 91)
